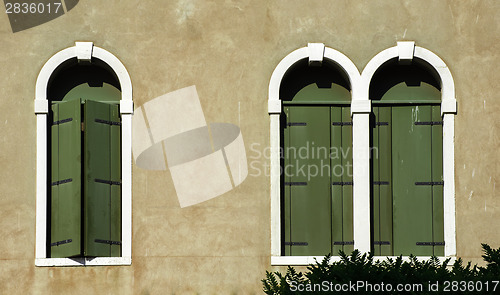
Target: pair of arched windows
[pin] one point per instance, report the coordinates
(361, 161)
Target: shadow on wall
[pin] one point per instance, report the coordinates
(25, 15)
(205, 160)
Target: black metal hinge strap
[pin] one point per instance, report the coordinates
(342, 183)
(61, 242)
(295, 183)
(430, 243)
(381, 243)
(381, 182)
(342, 123)
(429, 123)
(107, 242)
(430, 183)
(107, 122)
(62, 121)
(297, 124)
(62, 181)
(343, 243)
(382, 123)
(296, 243)
(107, 181)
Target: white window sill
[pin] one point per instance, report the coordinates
(307, 260)
(83, 261)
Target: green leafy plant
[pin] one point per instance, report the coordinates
(360, 273)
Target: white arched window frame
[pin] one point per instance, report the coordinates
(82, 51)
(406, 52)
(361, 109)
(315, 53)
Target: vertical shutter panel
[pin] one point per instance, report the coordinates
(336, 177)
(385, 179)
(437, 176)
(382, 180)
(310, 216)
(347, 216)
(375, 176)
(65, 215)
(411, 163)
(286, 188)
(102, 180)
(115, 164)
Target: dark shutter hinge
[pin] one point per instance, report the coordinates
(62, 181)
(381, 182)
(296, 243)
(430, 123)
(382, 123)
(430, 183)
(381, 243)
(61, 242)
(62, 121)
(107, 181)
(297, 124)
(107, 122)
(107, 242)
(343, 243)
(342, 183)
(342, 123)
(295, 183)
(430, 243)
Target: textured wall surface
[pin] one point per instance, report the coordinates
(228, 49)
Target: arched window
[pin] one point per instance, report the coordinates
(83, 105)
(412, 177)
(406, 161)
(85, 167)
(312, 181)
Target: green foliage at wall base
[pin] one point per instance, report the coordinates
(418, 277)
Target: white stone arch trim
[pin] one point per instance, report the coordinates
(315, 53)
(83, 51)
(311, 52)
(448, 101)
(405, 52)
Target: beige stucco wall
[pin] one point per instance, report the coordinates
(228, 49)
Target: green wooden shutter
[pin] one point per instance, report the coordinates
(382, 180)
(102, 179)
(341, 179)
(407, 180)
(65, 198)
(411, 164)
(307, 205)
